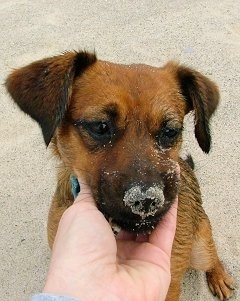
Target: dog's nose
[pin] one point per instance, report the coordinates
(145, 206)
(144, 202)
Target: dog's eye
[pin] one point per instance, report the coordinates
(98, 130)
(168, 135)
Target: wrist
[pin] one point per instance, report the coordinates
(75, 286)
(61, 285)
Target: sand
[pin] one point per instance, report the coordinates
(201, 34)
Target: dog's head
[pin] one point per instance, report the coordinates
(118, 127)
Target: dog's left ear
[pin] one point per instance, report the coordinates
(43, 89)
(202, 97)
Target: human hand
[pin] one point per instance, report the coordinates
(89, 263)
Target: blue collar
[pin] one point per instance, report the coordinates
(75, 186)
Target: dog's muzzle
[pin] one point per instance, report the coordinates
(137, 202)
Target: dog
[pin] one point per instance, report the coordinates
(119, 127)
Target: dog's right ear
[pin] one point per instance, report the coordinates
(43, 89)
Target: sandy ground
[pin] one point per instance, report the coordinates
(202, 34)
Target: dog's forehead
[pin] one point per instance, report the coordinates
(136, 79)
(129, 87)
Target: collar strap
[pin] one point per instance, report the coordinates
(75, 186)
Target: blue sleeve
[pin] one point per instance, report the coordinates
(51, 297)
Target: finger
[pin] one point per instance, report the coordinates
(164, 233)
(87, 205)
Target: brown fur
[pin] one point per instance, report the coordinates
(71, 94)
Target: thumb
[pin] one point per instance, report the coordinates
(85, 194)
(163, 234)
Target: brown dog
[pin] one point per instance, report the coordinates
(120, 128)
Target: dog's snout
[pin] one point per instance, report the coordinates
(144, 202)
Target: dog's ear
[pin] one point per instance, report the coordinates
(43, 89)
(202, 96)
